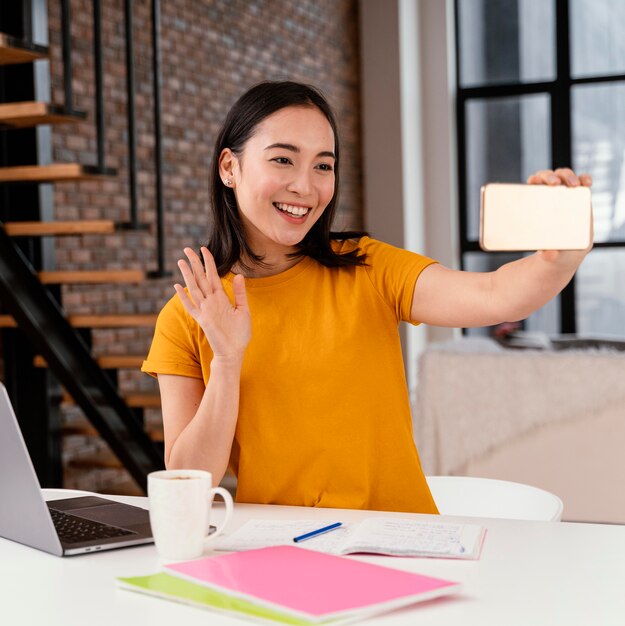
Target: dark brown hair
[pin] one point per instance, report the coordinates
(227, 241)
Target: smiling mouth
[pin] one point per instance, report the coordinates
(291, 210)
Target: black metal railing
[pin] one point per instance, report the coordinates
(51, 335)
(99, 83)
(157, 81)
(66, 49)
(131, 116)
(34, 307)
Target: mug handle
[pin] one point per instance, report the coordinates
(227, 498)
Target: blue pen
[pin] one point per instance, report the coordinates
(314, 533)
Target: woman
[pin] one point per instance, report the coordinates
(282, 358)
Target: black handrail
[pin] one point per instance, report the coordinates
(132, 130)
(27, 21)
(158, 133)
(34, 307)
(99, 84)
(51, 335)
(66, 44)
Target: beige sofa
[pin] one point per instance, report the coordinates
(552, 419)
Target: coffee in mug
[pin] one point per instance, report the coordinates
(180, 512)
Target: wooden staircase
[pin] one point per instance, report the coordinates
(14, 51)
(29, 114)
(57, 229)
(53, 173)
(96, 321)
(23, 115)
(91, 276)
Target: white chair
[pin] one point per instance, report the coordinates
(486, 497)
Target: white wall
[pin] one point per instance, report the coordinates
(438, 76)
(409, 136)
(381, 141)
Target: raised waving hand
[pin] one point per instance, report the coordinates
(227, 326)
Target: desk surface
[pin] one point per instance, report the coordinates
(530, 573)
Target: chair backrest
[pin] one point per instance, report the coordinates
(486, 497)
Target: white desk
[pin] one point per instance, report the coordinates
(530, 574)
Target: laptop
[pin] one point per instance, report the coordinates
(60, 527)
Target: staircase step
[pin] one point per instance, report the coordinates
(14, 50)
(126, 488)
(113, 321)
(104, 459)
(133, 400)
(7, 321)
(97, 321)
(28, 114)
(55, 172)
(78, 227)
(117, 362)
(156, 434)
(107, 362)
(91, 276)
(87, 430)
(143, 400)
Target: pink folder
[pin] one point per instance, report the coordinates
(310, 584)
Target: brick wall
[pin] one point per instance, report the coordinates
(211, 52)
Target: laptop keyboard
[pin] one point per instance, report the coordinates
(73, 529)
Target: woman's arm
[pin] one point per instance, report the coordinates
(199, 422)
(445, 297)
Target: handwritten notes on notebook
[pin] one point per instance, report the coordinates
(374, 535)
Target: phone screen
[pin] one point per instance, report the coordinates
(535, 217)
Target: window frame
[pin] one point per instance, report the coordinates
(559, 91)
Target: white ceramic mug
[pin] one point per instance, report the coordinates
(180, 512)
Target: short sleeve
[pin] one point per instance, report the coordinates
(175, 346)
(394, 273)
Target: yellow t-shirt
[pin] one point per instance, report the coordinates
(324, 415)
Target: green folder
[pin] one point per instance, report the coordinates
(180, 590)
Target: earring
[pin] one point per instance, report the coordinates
(227, 182)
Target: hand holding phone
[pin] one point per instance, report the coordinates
(515, 217)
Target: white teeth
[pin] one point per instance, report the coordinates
(293, 210)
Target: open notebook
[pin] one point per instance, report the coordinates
(374, 535)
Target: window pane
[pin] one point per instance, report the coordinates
(599, 148)
(507, 140)
(597, 37)
(600, 293)
(546, 320)
(506, 41)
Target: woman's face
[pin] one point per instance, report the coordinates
(284, 178)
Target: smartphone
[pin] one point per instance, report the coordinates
(535, 217)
